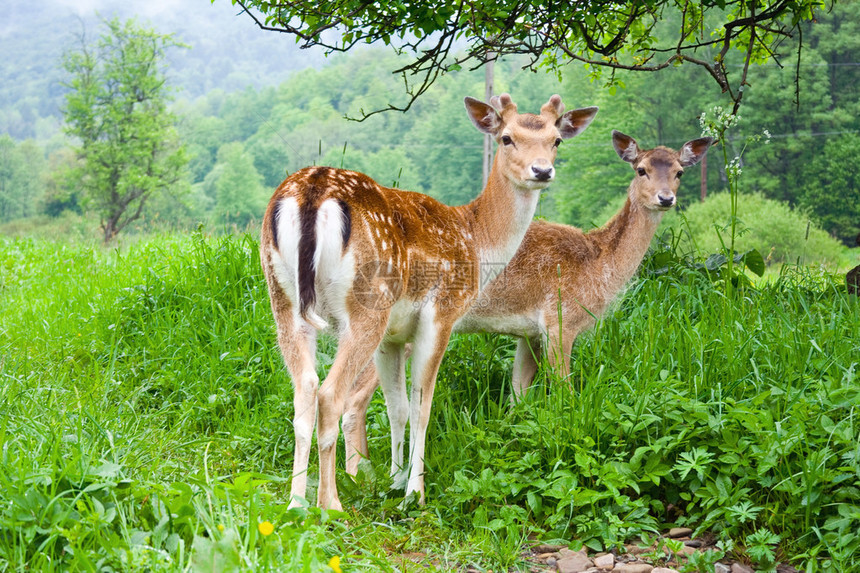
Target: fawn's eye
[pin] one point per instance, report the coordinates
(557, 142)
(506, 139)
(641, 171)
(678, 174)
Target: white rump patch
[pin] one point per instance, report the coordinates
(285, 259)
(335, 270)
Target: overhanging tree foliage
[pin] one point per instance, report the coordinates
(117, 109)
(600, 33)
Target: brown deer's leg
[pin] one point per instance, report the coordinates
(297, 341)
(525, 366)
(431, 341)
(354, 352)
(355, 418)
(389, 367)
(391, 364)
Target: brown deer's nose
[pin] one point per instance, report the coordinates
(666, 200)
(543, 173)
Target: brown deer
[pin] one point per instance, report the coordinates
(559, 272)
(380, 267)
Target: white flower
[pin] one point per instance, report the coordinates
(717, 121)
(734, 169)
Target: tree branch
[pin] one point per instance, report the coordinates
(580, 31)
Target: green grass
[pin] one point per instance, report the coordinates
(145, 424)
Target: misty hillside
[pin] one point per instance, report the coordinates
(227, 51)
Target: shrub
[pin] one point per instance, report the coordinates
(778, 232)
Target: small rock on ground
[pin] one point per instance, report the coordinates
(663, 570)
(605, 561)
(741, 568)
(676, 532)
(636, 550)
(546, 548)
(633, 568)
(573, 561)
(721, 568)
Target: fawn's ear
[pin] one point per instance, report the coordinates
(575, 121)
(693, 151)
(625, 146)
(485, 117)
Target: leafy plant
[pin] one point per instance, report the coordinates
(742, 513)
(761, 549)
(702, 561)
(696, 461)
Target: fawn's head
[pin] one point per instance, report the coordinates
(658, 170)
(528, 143)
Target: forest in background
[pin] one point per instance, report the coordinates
(242, 142)
(224, 52)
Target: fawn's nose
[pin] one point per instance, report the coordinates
(543, 173)
(666, 200)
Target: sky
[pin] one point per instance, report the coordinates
(148, 8)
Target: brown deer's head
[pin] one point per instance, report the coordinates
(658, 170)
(528, 143)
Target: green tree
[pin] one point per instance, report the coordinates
(809, 163)
(832, 195)
(61, 193)
(22, 181)
(117, 109)
(239, 193)
(271, 158)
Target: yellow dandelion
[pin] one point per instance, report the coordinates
(334, 563)
(221, 527)
(265, 528)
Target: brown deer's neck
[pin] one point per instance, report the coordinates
(500, 217)
(624, 240)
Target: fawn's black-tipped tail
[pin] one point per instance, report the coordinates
(308, 211)
(307, 248)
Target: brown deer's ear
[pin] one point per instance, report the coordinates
(625, 146)
(575, 121)
(484, 116)
(693, 151)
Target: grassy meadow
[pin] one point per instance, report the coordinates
(145, 422)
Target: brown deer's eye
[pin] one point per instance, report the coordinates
(678, 174)
(557, 142)
(641, 171)
(506, 139)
